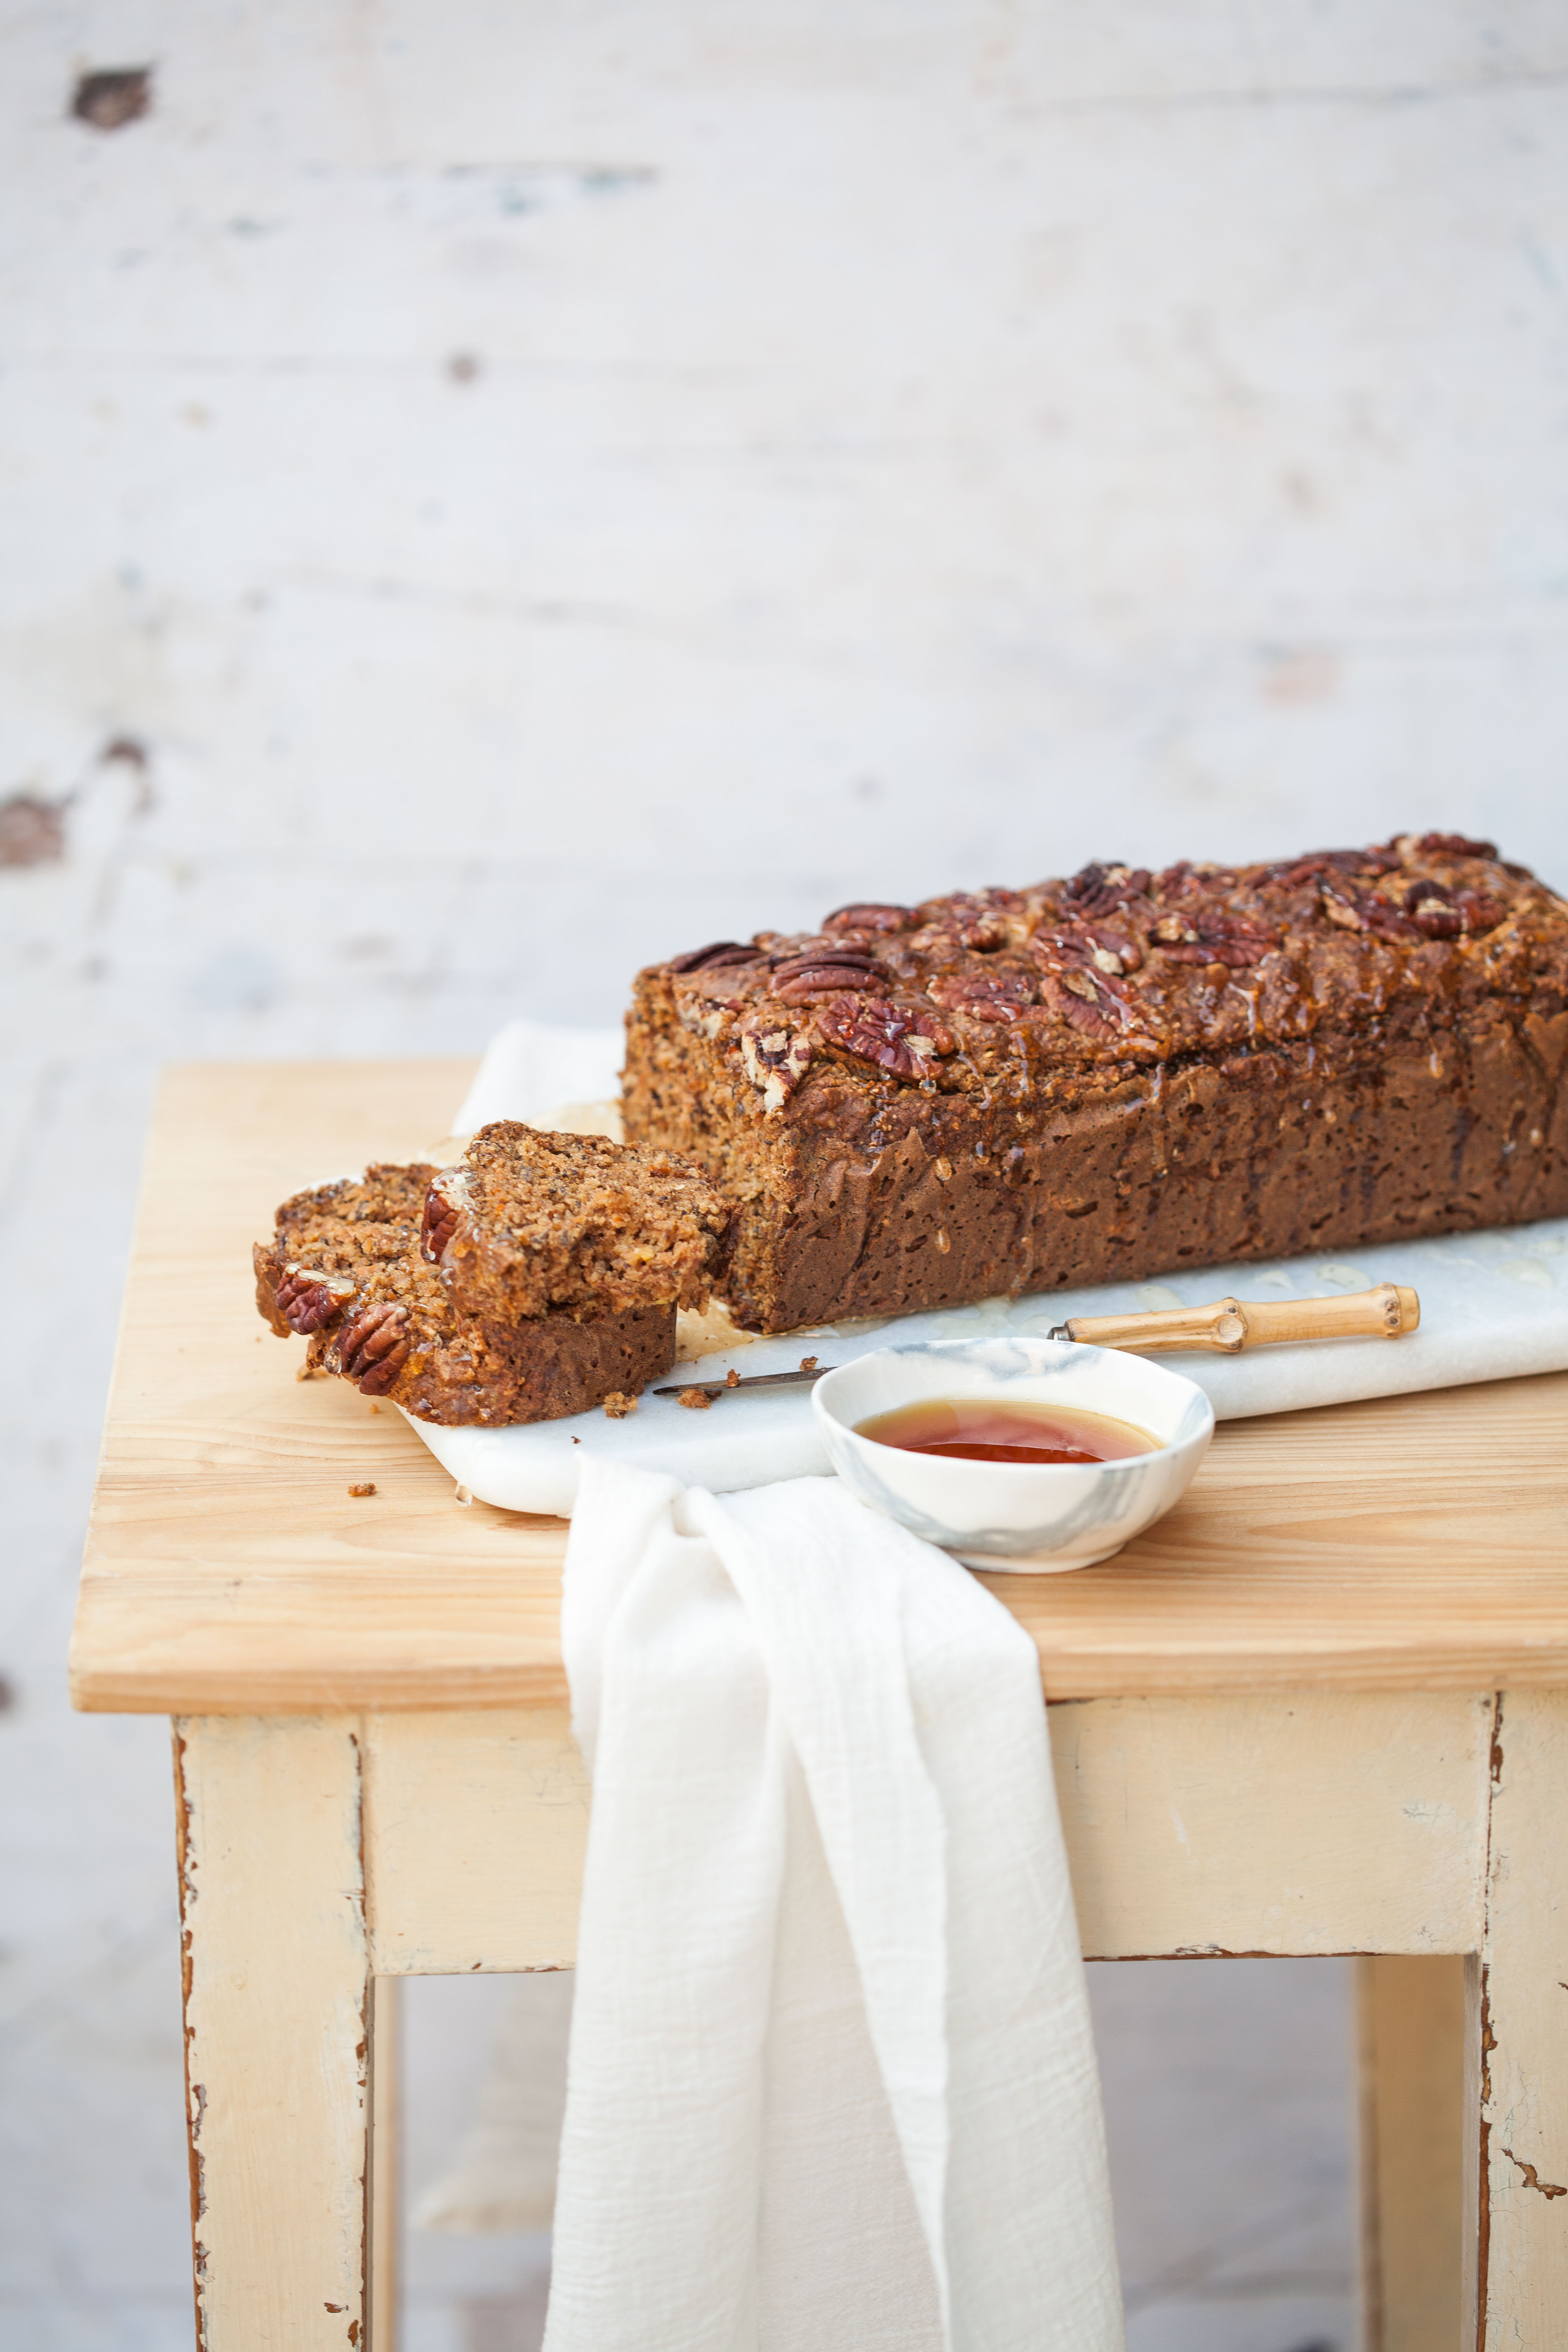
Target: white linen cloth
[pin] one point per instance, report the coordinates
(831, 2084)
(532, 1067)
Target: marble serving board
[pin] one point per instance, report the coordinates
(1493, 1304)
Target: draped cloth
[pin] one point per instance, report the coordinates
(831, 2084)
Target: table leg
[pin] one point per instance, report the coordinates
(1413, 2116)
(1523, 1989)
(385, 2197)
(277, 1992)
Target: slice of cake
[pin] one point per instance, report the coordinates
(533, 1221)
(357, 1269)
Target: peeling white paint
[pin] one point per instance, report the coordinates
(546, 488)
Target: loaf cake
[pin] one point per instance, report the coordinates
(1116, 1076)
(358, 1268)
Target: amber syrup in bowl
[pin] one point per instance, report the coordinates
(997, 1429)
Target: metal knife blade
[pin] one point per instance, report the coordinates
(810, 1371)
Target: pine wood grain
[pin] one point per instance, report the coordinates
(1406, 1543)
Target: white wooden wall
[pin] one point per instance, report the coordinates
(544, 484)
(519, 468)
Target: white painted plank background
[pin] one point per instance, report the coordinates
(540, 486)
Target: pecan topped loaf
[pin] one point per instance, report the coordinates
(358, 1268)
(1116, 1076)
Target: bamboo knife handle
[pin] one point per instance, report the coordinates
(1230, 1325)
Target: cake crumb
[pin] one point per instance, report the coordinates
(731, 1378)
(695, 1400)
(617, 1404)
(368, 1489)
(808, 1363)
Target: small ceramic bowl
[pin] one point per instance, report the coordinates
(1033, 1517)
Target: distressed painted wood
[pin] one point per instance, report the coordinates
(383, 2196)
(1415, 2214)
(1470, 2151)
(1312, 1821)
(1327, 1821)
(475, 1826)
(229, 1569)
(1524, 2031)
(1317, 1821)
(276, 2031)
(1272, 1742)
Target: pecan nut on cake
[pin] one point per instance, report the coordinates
(1116, 1076)
(575, 1255)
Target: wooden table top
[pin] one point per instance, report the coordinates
(1406, 1543)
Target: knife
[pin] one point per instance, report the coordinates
(1229, 1325)
(810, 1369)
(1225, 1327)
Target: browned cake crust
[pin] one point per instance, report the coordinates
(346, 1271)
(533, 1221)
(1116, 1076)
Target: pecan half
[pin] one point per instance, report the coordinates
(1384, 919)
(978, 923)
(1480, 910)
(985, 995)
(1434, 910)
(438, 1223)
(1079, 945)
(1212, 939)
(830, 951)
(1453, 845)
(1100, 890)
(1319, 862)
(776, 1058)
(1083, 982)
(308, 1301)
(372, 1348)
(863, 915)
(1365, 910)
(1115, 947)
(800, 978)
(717, 951)
(724, 983)
(1085, 1000)
(874, 1029)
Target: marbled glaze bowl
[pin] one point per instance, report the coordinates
(1032, 1517)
